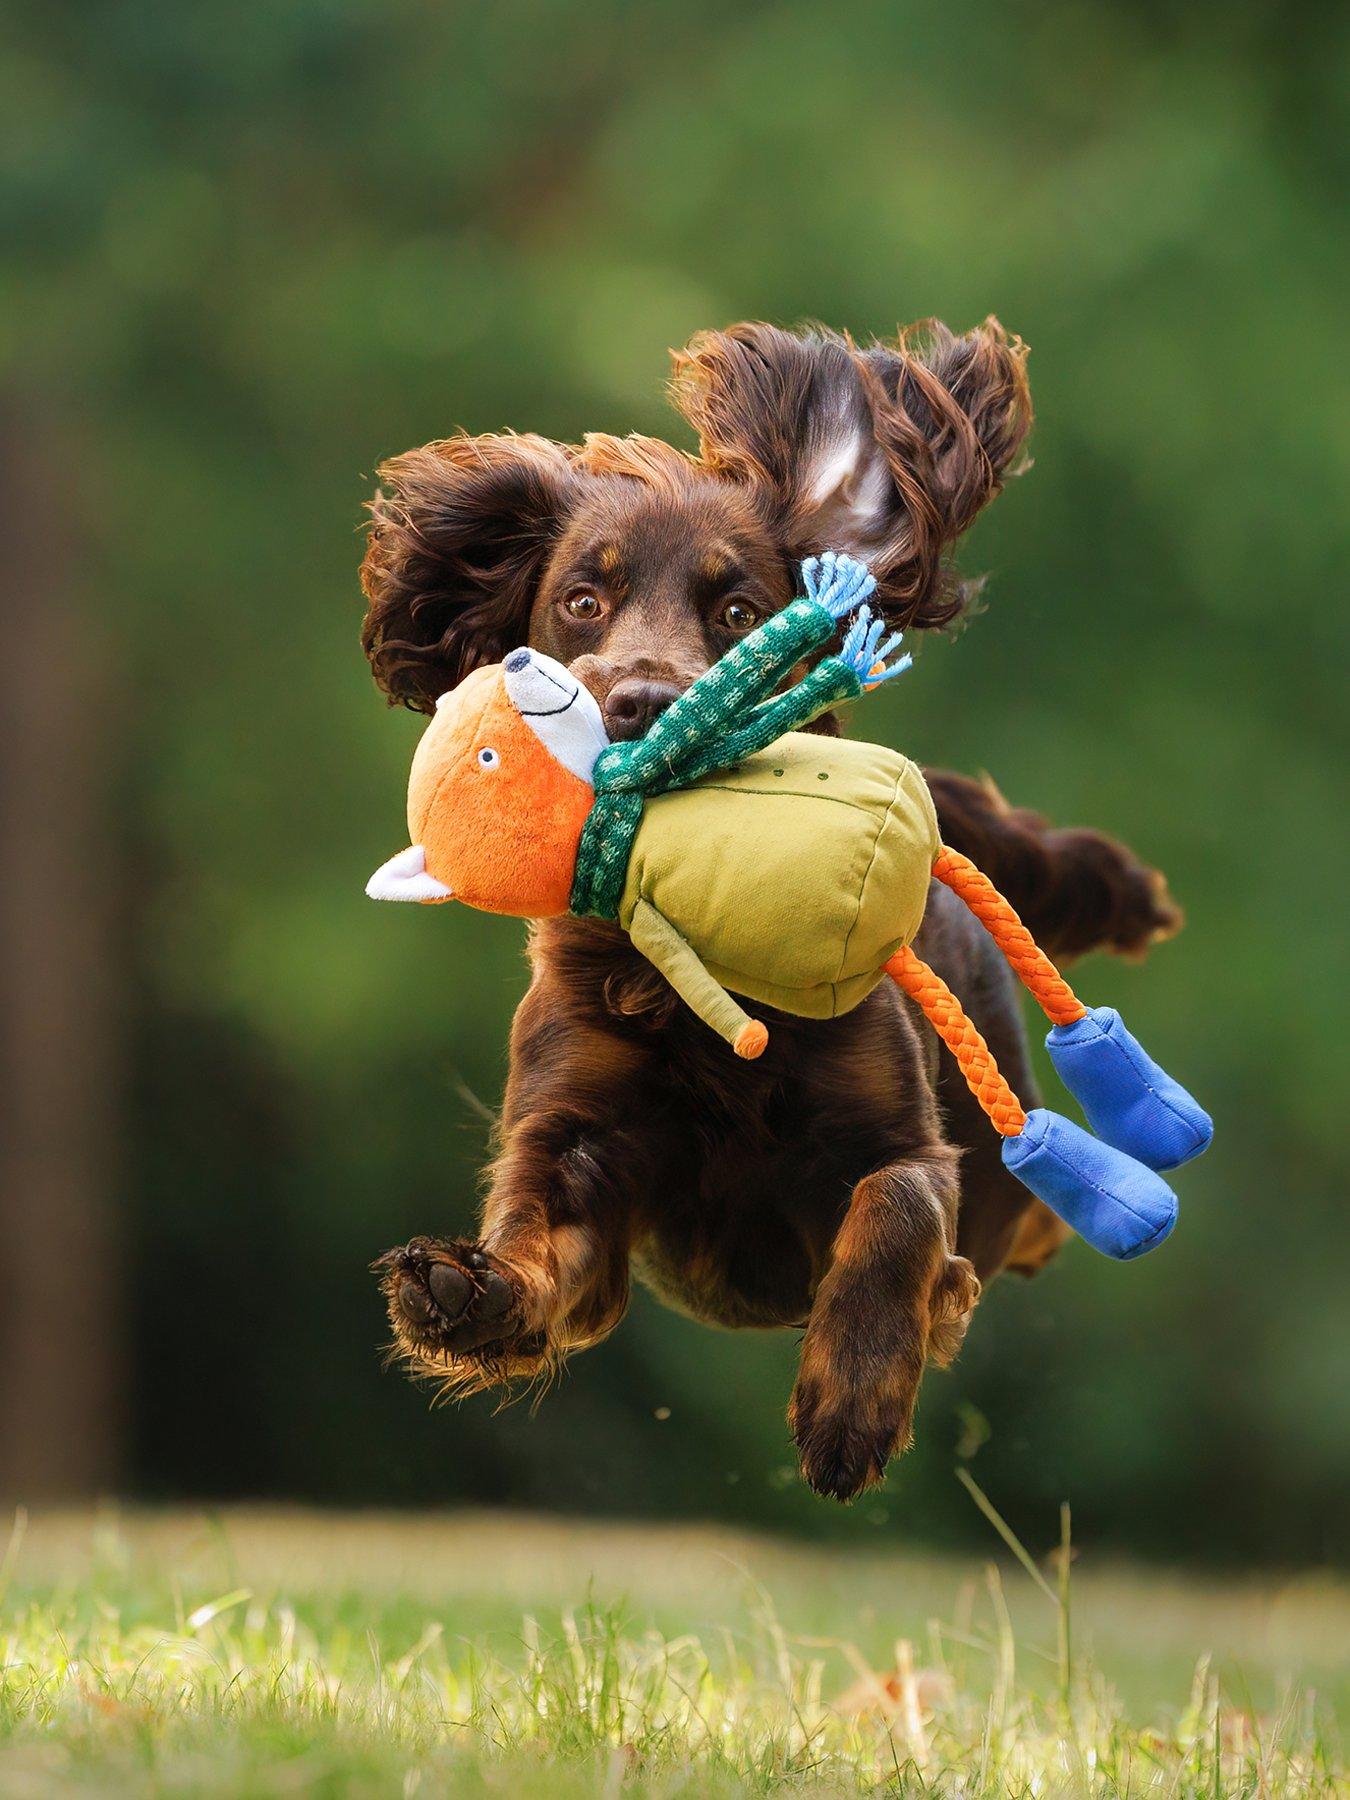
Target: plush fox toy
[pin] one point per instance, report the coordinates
(746, 857)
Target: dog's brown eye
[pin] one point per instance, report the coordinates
(738, 616)
(582, 606)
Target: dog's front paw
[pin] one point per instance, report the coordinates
(449, 1301)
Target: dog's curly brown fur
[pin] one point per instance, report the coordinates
(846, 1183)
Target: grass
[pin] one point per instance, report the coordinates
(274, 1653)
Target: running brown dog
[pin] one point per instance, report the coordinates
(845, 1183)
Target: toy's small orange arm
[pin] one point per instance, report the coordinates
(654, 935)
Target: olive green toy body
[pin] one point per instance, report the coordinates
(794, 875)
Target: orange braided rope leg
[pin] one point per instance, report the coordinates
(1028, 961)
(974, 1057)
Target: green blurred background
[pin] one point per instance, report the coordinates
(248, 251)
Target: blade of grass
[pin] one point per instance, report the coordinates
(1006, 1532)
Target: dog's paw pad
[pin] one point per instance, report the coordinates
(495, 1297)
(446, 1299)
(414, 1302)
(450, 1287)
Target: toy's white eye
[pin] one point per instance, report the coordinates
(488, 758)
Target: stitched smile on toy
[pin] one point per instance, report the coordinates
(520, 659)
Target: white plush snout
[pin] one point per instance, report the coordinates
(559, 710)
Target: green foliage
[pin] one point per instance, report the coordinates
(249, 253)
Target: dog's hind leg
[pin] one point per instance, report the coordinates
(895, 1296)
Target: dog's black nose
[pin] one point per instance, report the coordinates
(632, 704)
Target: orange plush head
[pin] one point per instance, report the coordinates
(499, 791)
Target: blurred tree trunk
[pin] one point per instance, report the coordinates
(60, 1339)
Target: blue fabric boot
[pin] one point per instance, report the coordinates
(1119, 1206)
(1130, 1102)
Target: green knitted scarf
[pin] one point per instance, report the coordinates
(726, 715)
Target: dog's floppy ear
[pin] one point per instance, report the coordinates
(888, 452)
(459, 535)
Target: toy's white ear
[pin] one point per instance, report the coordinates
(404, 877)
(560, 712)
